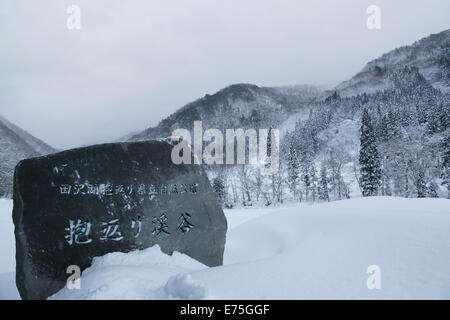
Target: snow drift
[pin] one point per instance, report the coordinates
(302, 252)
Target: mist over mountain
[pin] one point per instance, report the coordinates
(247, 105)
(430, 55)
(238, 106)
(16, 144)
(406, 97)
(406, 93)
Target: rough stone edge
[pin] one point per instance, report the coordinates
(17, 213)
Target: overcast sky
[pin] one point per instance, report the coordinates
(134, 62)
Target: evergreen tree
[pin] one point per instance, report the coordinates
(383, 130)
(445, 145)
(314, 184)
(432, 190)
(420, 184)
(219, 189)
(269, 152)
(385, 177)
(306, 177)
(323, 183)
(369, 158)
(293, 170)
(393, 130)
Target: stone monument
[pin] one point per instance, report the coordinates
(78, 204)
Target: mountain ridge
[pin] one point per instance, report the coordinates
(405, 93)
(16, 144)
(430, 55)
(242, 100)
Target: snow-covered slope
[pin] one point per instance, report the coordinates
(237, 106)
(303, 252)
(36, 144)
(406, 93)
(247, 105)
(431, 55)
(318, 251)
(15, 145)
(8, 288)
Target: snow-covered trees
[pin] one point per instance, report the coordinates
(293, 170)
(323, 183)
(445, 146)
(369, 158)
(401, 136)
(15, 145)
(336, 161)
(219, 189)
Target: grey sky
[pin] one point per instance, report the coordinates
(134, 62)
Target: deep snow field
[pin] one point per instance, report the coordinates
(319, 251)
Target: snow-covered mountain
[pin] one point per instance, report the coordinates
(408, 87)
(247, 105)
(16, 144)
(406, 93)
(430, 55)
(238, 106)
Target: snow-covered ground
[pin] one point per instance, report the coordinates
(303, 252)
(7, 252)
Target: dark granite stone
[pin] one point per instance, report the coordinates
(75, 205)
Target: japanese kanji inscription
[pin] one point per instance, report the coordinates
(78, 204)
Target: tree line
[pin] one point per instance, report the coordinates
(395, 142)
